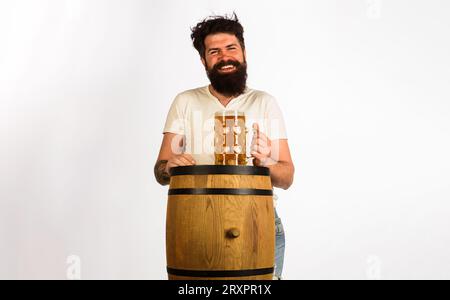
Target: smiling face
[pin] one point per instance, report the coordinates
(222, 47)
(225, 63)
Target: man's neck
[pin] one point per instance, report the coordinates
(223, 99)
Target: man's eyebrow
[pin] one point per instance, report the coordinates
(228, 46)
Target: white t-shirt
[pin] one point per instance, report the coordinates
(192, 116)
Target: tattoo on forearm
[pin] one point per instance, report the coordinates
(161, 175)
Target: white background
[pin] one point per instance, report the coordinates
(85, 87)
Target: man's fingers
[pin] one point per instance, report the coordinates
(179, 161)
(176, 162)
(262, 143)
(261, 146)
(261, 135)
(185, 161)
(261, 153)
(257, 155)
(258, 134)
(260, 160)
(265, 151)
(189, 158)
(255, 130)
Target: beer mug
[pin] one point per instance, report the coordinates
(230, 138)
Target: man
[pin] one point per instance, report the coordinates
(189, 128)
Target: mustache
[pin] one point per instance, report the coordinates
(226, 63)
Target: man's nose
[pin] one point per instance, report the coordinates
(224, 56)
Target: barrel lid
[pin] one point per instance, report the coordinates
(219, 169)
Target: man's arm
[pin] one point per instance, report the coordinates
(282, 172)
(276, 156)
(171, 155)
(280, 165)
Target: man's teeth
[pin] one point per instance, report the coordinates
(227, 67)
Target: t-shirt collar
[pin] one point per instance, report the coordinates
(232, 101)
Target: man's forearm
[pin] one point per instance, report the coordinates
(161, 175)
(282, 174)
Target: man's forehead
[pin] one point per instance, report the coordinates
(220, 40)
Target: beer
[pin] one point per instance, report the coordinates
(230, 138)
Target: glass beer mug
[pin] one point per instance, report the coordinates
(230, 138)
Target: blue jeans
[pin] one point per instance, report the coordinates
(279, 247)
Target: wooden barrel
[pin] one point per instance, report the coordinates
(220, 223)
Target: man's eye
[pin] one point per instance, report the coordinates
(213, 52)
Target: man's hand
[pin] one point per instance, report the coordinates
(178, 161)
(170, 157)
(274, 155)
(261, 148)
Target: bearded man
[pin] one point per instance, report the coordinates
(189, 128)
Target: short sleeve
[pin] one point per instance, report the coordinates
(175, 117)
(276, 128)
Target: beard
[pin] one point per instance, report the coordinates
(229, 84)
